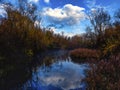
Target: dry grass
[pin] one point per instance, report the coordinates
(83, 53)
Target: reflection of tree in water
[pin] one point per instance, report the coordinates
(57, 72)
(13, 75)
(18, 73)
(46, 59)
(45, 64)
(49, 61)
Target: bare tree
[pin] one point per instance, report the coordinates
(100, 20)
(117, 18)
(28, 9)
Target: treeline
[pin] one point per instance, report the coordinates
(105, 75)
(19, 34)
(102, 35)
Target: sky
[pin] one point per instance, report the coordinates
(68, 16)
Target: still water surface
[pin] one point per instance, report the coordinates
(57, 72)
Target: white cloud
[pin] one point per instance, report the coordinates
(3, 13)
(46, 1)
(67, 15)
(65, 77)
(33, 1)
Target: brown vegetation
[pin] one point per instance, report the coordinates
(105, 37)
(104, 75)
(20, 40)
(18, 34)
(84, 53)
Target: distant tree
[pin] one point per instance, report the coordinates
(90, 35)
(28, 9)
(100, 20)
(117, 18)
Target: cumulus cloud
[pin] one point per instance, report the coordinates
(46, 1)
(67, 15)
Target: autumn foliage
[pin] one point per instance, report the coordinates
(84, 53)
(19, 35)
(104, 75)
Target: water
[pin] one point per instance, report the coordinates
(53, 70)
(56, 71)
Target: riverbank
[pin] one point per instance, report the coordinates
(104, 72)
(14, 71)
(85, 55)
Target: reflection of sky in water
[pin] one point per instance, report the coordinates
(64, 75)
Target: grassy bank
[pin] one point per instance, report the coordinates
(84, 54)
(104, 73)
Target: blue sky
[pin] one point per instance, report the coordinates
(67, 15)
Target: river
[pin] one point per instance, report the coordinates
(52, 70)
(56, 71)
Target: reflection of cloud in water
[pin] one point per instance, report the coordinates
(66, 75)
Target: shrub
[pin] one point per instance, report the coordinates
(104, 75)
(83, 53)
